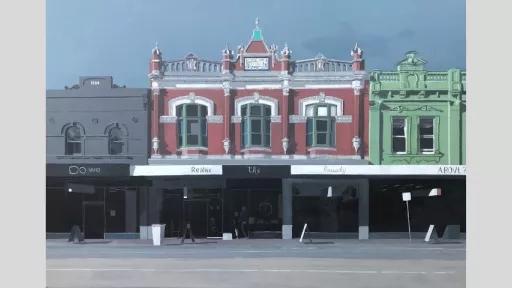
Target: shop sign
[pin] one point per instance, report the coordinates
(90, 170)
(263, 171)
(378, 170)
(175, 170)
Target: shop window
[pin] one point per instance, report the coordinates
(255, 125)
(192, 128)
(399, 135)
(320, 125)
(426, 135)
(73, 140)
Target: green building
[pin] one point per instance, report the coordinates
(417, 117)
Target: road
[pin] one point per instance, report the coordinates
(256, 263)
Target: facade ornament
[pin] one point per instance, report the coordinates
(356, 142)
(227, 87)
(226, 143)
(322, 97)
(320, 63)
(155, 146)
(191, 64)
(257, 97)
(286, 87)
(285, 144)
(286, 51)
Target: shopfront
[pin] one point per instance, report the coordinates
(102, 199)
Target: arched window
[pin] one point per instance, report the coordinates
(73, 140)
(255, 125)
(192, 129)
(116, 141)
(321, 123)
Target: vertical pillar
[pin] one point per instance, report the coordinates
(364, 215)
(375, 127)
(227, 116)
(143, 206)
(130, 214)
(284, 115)
(155, 117)
(287, 209)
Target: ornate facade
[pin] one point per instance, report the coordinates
(257, 101)
(417, 116)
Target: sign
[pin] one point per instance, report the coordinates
(175, 170)
(87, 170)
(253, 171)
(406, 196)
(253, 63)
(431, 233)
(378, 170)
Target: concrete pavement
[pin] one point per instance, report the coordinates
(256, 263)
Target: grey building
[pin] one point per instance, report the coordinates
(94, 131)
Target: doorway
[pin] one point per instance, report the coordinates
(93, 219)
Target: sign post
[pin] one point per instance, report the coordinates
(406, 196)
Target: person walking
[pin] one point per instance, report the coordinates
(244, 219)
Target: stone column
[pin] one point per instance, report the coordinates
(226, 143)
(287, 209)
(364, 209)
(284, 115)
(155, 123)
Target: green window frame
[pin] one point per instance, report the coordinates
(255, 125)
(191, 125)
(321, 125)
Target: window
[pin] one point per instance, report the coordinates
(426, 135)
(399, 138)
(73, 140)
(255, 125)
(192, 125)
(116, 141)
(320, 125)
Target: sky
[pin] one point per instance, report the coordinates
(115, 37)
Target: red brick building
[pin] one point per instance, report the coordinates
(259, 101)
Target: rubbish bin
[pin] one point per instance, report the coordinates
(158, 232)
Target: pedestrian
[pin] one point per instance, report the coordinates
(244, 218)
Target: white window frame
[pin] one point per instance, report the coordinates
(393, 136)
(433, 136)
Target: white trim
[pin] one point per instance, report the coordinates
(191, 98)
(163, 170)
(263, 86)
(198, 85)
(328, 85)
(272, 102)
(378, 169)
(318, 100)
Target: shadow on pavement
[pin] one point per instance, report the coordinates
(324, 242)
(94, 242)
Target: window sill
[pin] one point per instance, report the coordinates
(256, 149)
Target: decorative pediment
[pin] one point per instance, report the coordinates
(411, 62)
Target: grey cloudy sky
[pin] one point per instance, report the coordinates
(115, 37)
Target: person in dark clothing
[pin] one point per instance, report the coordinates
(244, 219)
(188, 228)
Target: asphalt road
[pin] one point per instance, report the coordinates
(256, 263)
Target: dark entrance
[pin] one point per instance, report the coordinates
(93, 219)
(262, 199)
(329, 209)
(202, 207)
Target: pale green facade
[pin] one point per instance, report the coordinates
(411, 93)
